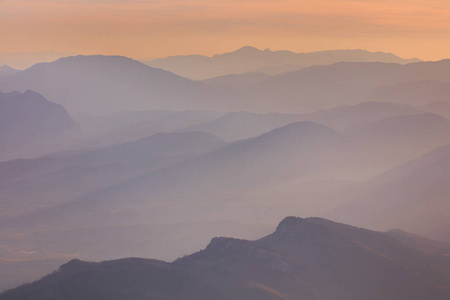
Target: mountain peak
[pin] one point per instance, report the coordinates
(6, 67)
(288, 223)
(6, 71)
(247, 49)
(75, 265)
(293, 226)
(97, 59)
(346, 263)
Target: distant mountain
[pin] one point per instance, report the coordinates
(308, 259)
(298, 149)
(279, 69)
(102, 84)
(243, 125)
(250, 59)
(33, 186)
(303, 151)
(441, 108)
(413, 197)
(105, 84)
(421, 243)
(6, 71)
(76, 173)
(324, 87)
(30, 125)
(177, 196)
(237, 80)
(421, 90)
(130, 126)
(23, 60)
(346, 116)
(95, 124)
(401, 138)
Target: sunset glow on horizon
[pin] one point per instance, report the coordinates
(156, 28)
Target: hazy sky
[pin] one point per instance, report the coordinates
(154, 28)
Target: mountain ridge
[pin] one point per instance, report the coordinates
(31, 125)
(251, 59)
(89, 83)
(309, 259)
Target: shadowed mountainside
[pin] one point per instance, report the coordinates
(30, 125)
(308, 259)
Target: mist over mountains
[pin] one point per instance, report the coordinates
(102, 84)
(105, 157)
(250, 59)
(412, 196)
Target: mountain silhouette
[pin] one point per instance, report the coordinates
(130, 126)
(401, 138)
(30, 125)
(346, 116)
(61, 177)
(441, 108)
(6, 71)
(307, 259)
(237, 80)
(243, 125)
(324, 87)
(186, 192)
(250, 59)
(101, 84)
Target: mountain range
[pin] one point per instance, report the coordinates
(398, 139)
(324, 87)
(102, 84)
(103, 157)
(76, 173)
(123, 191)
(107, 84)
(23, 60)
(250, 59)
(308, 259)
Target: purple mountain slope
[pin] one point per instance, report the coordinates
(30, 125)
(308, 259)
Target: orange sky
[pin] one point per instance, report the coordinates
(155, 28)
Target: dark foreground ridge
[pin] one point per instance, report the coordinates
(307, 259)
